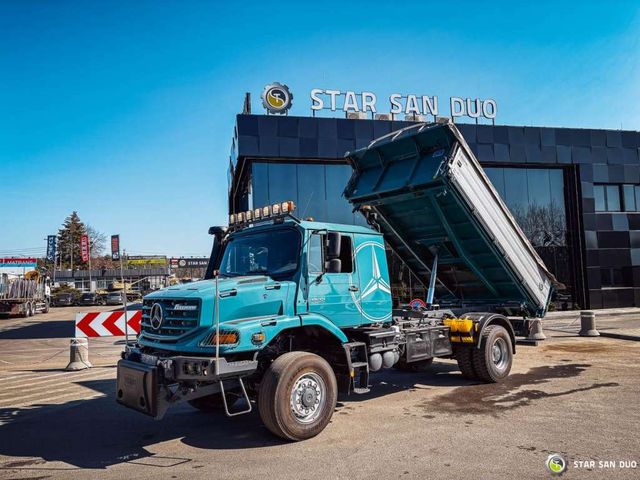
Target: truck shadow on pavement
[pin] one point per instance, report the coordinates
(97, 433)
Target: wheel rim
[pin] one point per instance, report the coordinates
(308, 397)
(500, 354)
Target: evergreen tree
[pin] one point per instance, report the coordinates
(69, 242)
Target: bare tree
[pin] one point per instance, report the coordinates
(98, 241)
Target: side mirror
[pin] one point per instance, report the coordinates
(333, 245)
(334, 265)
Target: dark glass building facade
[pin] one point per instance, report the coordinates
(574, 192)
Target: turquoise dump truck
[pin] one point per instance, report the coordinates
(293, 312)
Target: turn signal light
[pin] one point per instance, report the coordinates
(226, 338)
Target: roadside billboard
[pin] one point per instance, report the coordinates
(22, 262)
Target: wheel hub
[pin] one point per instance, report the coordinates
(308, 397)
(499, 354)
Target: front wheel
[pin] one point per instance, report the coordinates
(297, 396)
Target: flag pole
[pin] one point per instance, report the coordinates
(89, 247)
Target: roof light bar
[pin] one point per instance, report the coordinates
(263, 213)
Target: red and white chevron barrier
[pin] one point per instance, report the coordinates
(106, 324)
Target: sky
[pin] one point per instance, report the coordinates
(124, 111)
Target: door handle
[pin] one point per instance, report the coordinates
(353, 288)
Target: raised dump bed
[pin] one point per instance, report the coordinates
(425, 190)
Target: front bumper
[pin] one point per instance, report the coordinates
(150, 384)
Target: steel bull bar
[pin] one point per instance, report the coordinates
(150, 384)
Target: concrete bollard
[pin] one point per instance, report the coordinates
(535, 330)
(588, 324)
(79, 355)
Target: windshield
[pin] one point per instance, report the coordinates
(273, 253)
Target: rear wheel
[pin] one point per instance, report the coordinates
(464, 356)
(297, 396)
(492, 361)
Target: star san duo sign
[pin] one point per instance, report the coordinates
(407, 104)
(278, 99)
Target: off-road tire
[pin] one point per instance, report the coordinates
(464, 356)
(213, 403)
(414, 367)
(274, 396)
(483, 363)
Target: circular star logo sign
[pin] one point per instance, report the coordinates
(556, 464)
(276, 98)
(374, 298)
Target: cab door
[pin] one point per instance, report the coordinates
(373, 299)
(331, 293)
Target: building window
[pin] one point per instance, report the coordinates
(616, 198)
(607, 198)
(631, 197)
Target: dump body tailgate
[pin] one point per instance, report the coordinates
(429, 194)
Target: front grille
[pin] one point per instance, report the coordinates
(177, 321)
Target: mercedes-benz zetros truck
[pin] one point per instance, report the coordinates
(292, 311)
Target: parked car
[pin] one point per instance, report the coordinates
(114, 298)
(63, 300)
(91, 299)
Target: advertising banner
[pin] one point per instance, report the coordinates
(51, 248)
(24, 262)
(115, 247)
(84, 248)
(147, 260)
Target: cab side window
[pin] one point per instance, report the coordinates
(346, 254)
(316, 251)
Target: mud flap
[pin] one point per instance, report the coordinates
(137, 387)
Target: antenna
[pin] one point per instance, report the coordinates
(246, 107)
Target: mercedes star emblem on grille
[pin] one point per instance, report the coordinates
(156, 316)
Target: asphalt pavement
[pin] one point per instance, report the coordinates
(569, 395)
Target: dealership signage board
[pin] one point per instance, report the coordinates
(278, 99)
(22, 262)
(201, 262)
(398, 103)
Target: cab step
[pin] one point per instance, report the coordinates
(358, 366)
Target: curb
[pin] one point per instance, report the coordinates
(575, 314)
(620, 336)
